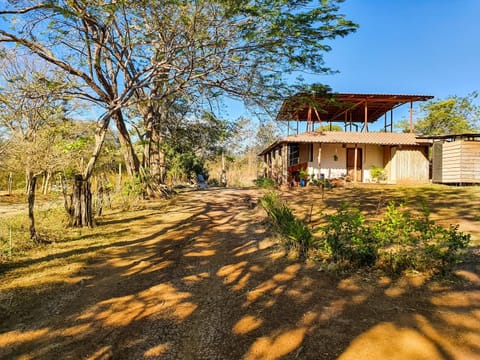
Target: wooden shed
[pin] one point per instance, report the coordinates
(456, 159)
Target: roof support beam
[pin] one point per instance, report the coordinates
(366, 116)
(411, 116)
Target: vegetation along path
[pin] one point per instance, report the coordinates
(201, 278)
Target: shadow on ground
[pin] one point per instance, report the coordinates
(203, 279)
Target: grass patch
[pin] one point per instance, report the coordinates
(294, 231)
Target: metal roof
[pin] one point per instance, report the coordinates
(338, 107)
(465, 136)
(339, 137)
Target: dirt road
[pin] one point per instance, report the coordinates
(202, 279)
(16, 208)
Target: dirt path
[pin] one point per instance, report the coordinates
(201, 279)
(16, 208)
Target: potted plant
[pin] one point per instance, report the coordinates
(377, 174)
(303, 174)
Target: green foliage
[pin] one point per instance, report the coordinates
(265, 183)
(348, 238)
(399, 241)
(135, 187)
(191, 143)
(303, 174)
(453, 115)
(377, 173)
(330, 127)
(294, 231)
(416, 242)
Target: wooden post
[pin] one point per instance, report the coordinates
(223, 177)
(366, 116)
(355, 163)
(10, 181)
(318, 117)
(411, 116)
(31, 203)
(119, 179)
(391, 120)
(309, 117)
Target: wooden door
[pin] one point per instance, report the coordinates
(351, 164)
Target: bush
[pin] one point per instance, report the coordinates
(294, 231)
(399, 241)
(347, 237)
(213, 182)
(265, 183)
(416, 242)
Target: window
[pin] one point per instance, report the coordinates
(310, 152)
(293, 154)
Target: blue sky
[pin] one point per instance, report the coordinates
(427, 47)
(409, 47)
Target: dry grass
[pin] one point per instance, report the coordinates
(55, 264)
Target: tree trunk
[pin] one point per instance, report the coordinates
(81, 203)
(28, 176)
(131, 160)
(157, 159)
(153, 153)
(32, 182)
(80, 210)
(46, 182)
(146, 170)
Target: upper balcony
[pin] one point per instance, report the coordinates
(355, 111)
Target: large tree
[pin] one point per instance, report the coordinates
(157, 52)
(203, 51)
(90, 41)
(31, 104)
(452, 115)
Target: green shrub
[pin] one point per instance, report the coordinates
(415, 242)
(348, 238)
(265, 183)
(399, 241)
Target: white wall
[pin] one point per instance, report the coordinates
(333, 160)
(372, 157)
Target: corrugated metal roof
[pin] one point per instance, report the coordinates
(338, 137)
(341, 107)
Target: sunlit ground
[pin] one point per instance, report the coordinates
(201, 278)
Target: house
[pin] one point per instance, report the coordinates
(351, 154)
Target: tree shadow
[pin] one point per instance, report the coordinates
(205, 281)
